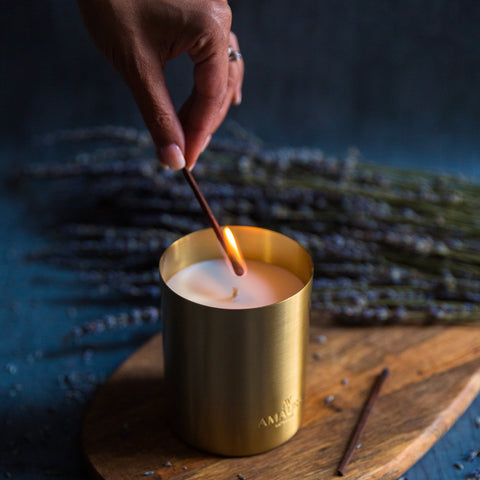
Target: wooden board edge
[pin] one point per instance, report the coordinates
(417, 449)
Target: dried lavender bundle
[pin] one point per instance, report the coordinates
(389, 245)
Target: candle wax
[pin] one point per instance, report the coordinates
(213, 284)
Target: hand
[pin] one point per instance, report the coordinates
(139, 36)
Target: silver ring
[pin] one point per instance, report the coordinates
(233, 55)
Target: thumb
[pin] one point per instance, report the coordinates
(147, 83)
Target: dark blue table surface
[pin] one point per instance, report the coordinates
(46, 383)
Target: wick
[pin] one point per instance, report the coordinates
(372, 398)
(234, 292)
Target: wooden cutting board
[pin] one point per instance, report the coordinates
(434, 376)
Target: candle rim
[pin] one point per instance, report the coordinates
(274, 245)
(216, 252)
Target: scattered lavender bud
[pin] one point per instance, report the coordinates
(147, 474)
(345, 381)
(471, 455)
(319, 339)
(458, 465)
(359, 445)
(11, 368)
(167, 464)
(329, 399)
(240, 477)
(317, 356)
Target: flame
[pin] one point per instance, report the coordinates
(233, 252)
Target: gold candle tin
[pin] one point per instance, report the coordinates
(235, 378)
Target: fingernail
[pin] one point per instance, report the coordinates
(205, 144)
(172, 157)
(237, 99)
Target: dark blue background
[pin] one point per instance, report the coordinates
(399, 80)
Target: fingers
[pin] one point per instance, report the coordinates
(147, 82)
(139, 37)
(216, 83)
(213, 93)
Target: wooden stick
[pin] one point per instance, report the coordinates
(353, 442)
(237, 267)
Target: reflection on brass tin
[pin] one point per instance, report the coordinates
(235, 378)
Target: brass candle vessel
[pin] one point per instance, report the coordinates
(235, 378)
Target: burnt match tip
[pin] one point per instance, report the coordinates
(385, 372)
(237, 268)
